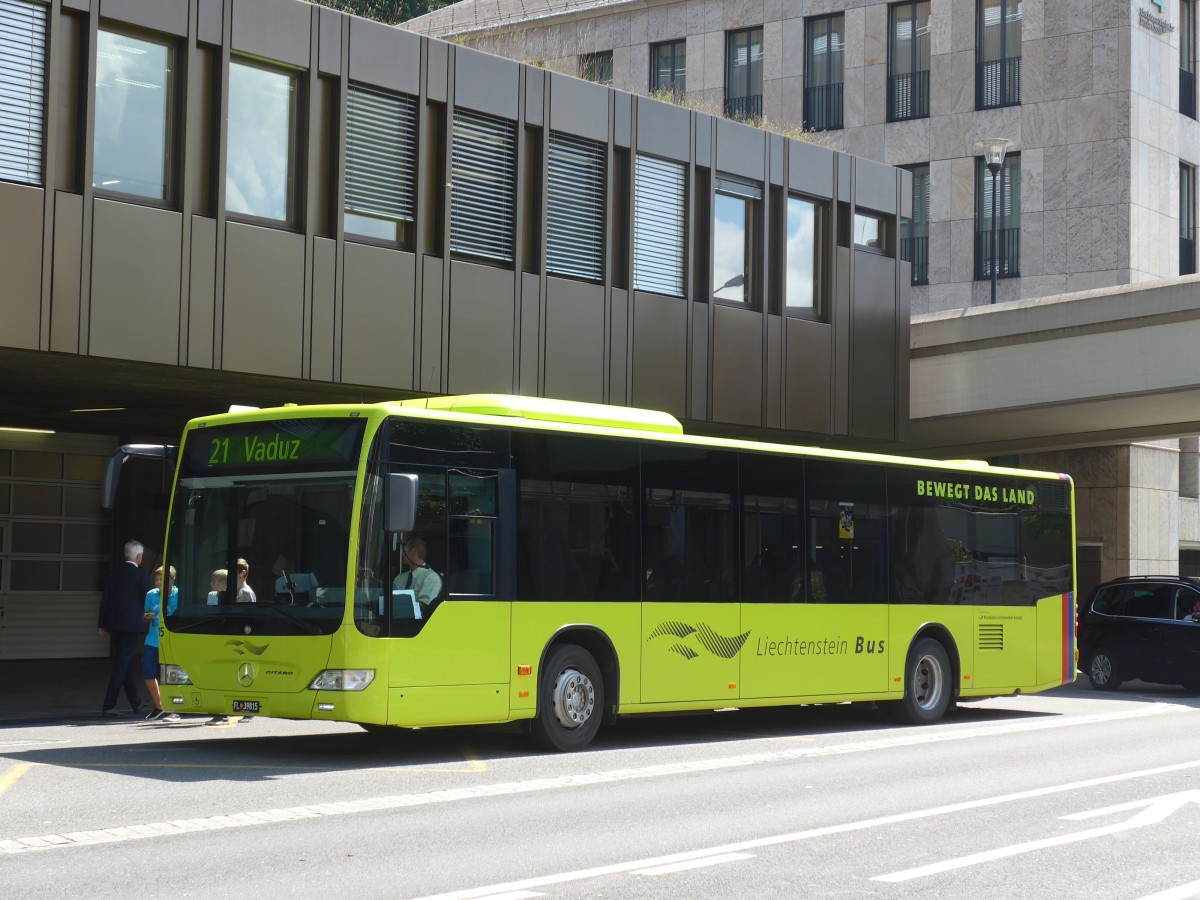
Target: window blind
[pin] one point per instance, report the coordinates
(22, 87)
(659, 207)
(381, 155)
(482, 205)
(575, 208)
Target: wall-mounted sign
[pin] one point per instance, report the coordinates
(1155, 23)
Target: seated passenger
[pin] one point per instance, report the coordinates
(425, 583)
(217, 583)
(1192, 614)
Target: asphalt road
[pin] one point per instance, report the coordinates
(1066, 794)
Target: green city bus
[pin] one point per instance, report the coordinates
(589, 561)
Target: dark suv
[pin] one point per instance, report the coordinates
(1141, 627)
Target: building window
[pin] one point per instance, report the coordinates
(381, 165)
(802, 284)
(743, 73)
(659, 226)
(668, 68)
(1006, 246)
(597, 67)
(870, 232)
(1187, 219)
(575, 192)
(998, 62)
(914, 232)
(132, 147)
(261, 165)
(483, 193)
(908, 62)
(824, 41)
(735, 240)
(22, 89)
(1187, 57)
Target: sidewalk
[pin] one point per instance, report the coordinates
(39, 690)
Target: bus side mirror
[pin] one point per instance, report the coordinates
(401, 502)
(112, 470)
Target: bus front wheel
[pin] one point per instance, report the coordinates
(570, 700)
(927, 689)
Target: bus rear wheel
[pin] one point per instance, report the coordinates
(570, 700)
(927, 689)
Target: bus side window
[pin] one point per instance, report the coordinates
(471, 532)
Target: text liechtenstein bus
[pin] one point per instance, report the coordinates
(595, 562)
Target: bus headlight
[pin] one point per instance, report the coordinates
(343, 680)
(173, 675)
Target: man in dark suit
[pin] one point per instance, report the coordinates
(121, 620)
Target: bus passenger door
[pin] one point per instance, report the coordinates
(691, 651)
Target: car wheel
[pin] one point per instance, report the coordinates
(570, 700)
(928, 691)
(1103, 671)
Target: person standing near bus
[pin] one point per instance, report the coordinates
(150, 653)
(121, 607)
(425, 583)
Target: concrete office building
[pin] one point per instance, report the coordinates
(206, 202)
(1097, 190)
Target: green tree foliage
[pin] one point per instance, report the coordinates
(389, 11)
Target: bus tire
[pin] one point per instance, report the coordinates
(570, 700)
(928, 692)
(1103, 671)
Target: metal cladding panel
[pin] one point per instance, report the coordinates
(202, 292)
(810, 169)
(619, 348)
(530, 365)
(622, 119)
(273, 29)
(873, 375)
(324, 310)
(329, 42)
(697, 401)
(263, 321)
(663, 129)
(68, 249)
(429, 353)
(741, 150)
(208, 21)
(875, 186)
(165, 16)
(579, 107)
(135, 316)
(378, 305)
(659, 353)
(704, 133)
(482, 328)
(737, 370)
(21, 210)
(535, 95)
(386, 57)
(807, 392)
(438, 68)
(486, 83)
(574, 340)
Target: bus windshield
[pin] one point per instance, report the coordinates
(263, 548)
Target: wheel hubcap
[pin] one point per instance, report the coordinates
(574, 698)
(927, 686)
(1101, 669)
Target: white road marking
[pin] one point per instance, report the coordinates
(1156, 809)
(845, 828)
(374, 804)
(1183, 892)
(694, 864)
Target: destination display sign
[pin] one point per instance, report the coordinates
(270, 446)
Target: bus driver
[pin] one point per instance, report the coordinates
(425, 583)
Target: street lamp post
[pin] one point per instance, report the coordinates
(993, 150)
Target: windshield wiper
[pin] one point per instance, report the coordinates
(207, 620)
(289, 616)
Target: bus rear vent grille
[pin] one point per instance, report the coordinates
(1053, 495)
(991, 637)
